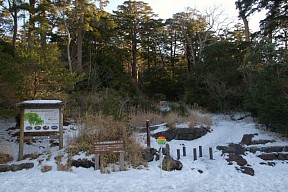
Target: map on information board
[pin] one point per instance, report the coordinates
(41, 120)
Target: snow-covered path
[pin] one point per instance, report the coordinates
(216, 175)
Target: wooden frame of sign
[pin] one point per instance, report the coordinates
(102, 147)
(40, 119)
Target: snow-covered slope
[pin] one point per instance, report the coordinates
(196, 176)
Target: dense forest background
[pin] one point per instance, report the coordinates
(111, 63)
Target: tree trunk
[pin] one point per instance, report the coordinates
(134, 53)
(15, 30)
(31, 26)
(68, 50)
(80, 36)
(43, 30)
(246, 28)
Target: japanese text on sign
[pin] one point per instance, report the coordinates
(109, 146)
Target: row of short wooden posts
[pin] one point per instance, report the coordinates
(194, 153)
(178, 150)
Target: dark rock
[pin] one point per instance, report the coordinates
(236, 149)
(18, 167)
(200, 171)
(82, 163)
(247, 139)
(237, 158)
(148, 154)
(262, 141)
(5, 158)
(271, 164)
(169, 164)
(247, 170)
(252, 149)
(54, 145)
(31, 156)
(272, 149)
(169, 134)
(281, 156)
(4, 168)
(268, 149)
(267, 157)
(183, 133)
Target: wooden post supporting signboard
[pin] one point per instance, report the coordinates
(21, 136)
(60, 128)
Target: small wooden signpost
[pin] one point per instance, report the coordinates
(40, 117)
(102, 147)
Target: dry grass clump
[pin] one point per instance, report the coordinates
(98, 128)
(46, 168)
(105, 128)
(171, 118)
(65, 167)
(134, 152)
(202, 118)
(138, 119)
(5, 158)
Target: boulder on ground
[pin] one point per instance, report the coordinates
(247, 139)
(237, 158)
(247, 170)
(236, 149)
(16, 167)
(169, 164)
(268, 157)
(148, 154)
(85, 163)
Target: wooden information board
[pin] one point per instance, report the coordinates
(102, 147)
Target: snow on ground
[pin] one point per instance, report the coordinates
(217, 175)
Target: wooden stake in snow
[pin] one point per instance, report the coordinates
(195, 154)
(148, 133)
(210, 153)
(200, 151)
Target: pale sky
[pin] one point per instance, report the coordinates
(166, 8)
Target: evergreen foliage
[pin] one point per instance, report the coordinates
(266, 77)
(107, 63)
(11, 78)
(217, 84)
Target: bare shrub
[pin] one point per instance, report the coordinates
(62, 166)
(46, 168)
(103, 128)
(138, 119)
(202, 118)
(5, 158)
(171, 118)
(65, 167)
(134, 152)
